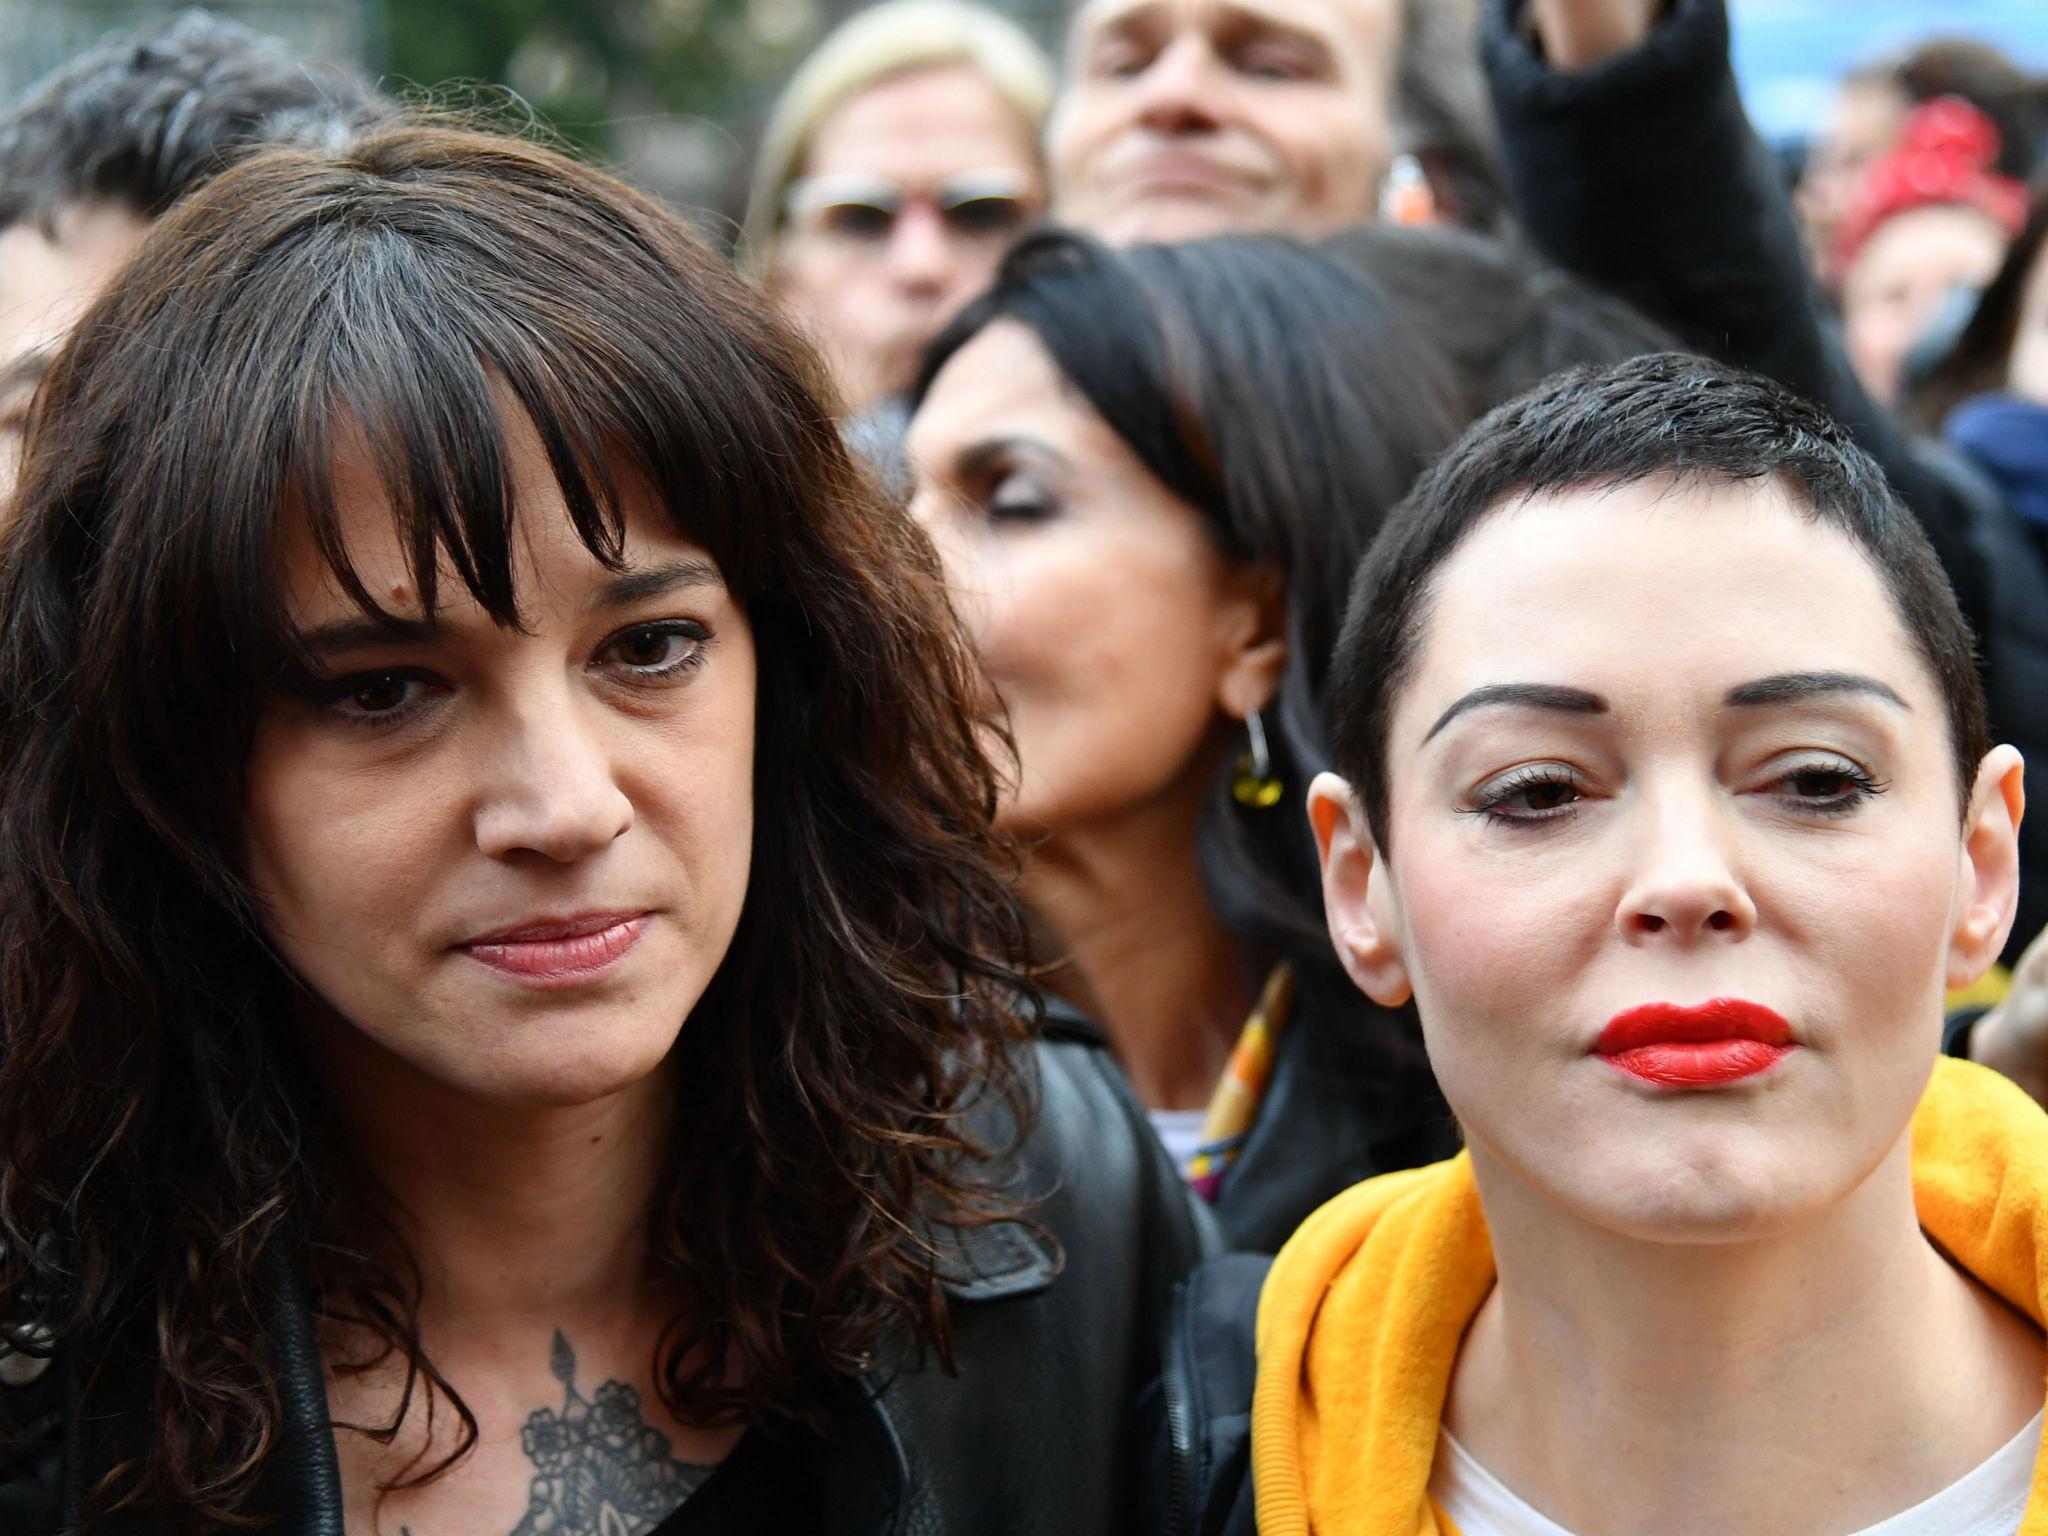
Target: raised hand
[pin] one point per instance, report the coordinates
(1577, 34)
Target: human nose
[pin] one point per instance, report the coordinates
(1685, 887)
(549, 788)
(921, 255)
(1177, 92)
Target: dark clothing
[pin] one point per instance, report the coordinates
(1200, 1480)
(1054, 1331)
(1351, 1096)
(1642, 175)
(2007, 438)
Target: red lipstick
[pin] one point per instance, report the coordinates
(1722, 1041)
(559, 951)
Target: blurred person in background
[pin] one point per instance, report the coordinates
(108, 142)
(1989, 395)
(1870, 110)
(1149, 474)
(1924, 233)
(899, 164)
(1182, 118)
(512, 1010)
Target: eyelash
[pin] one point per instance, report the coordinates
(333, 695)
(1863, 787)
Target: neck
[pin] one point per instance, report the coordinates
(522, 1220)
(1135, 945)
(1822, 1378)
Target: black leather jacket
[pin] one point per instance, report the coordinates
(1034, 1435)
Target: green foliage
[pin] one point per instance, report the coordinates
(590, 66)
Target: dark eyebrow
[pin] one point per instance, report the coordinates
(1576, 701)
(365, 631)
(369, 630)
(978, 459)
(629, 587)
(1793, 687)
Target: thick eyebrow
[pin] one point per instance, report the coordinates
(978, 459)
(1795, 687)
(366, 630)
(363, 631)
(1575, 701)
(630, 587)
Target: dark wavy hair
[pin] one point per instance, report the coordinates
(1289, 404)
(162, 1139)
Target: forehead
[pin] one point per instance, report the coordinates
(549, 558)
(920, 123)
(1004, 383)
(1348, 26)
(1660, 593)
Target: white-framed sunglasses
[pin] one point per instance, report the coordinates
(986, 205)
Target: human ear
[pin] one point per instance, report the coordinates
(1351, 874)
(1252, 634)
(1990, 886)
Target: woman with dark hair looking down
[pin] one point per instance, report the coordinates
(511, 1016)
(1148, 472)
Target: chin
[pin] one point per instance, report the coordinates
(1162, 219)
(1682, 1192)
(565, 1075)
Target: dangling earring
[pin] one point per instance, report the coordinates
(1256, 785)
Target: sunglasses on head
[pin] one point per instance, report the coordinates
(990, 204)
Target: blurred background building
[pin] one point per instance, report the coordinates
(674, 90)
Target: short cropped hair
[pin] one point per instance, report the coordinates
(144, 118)
(891, 39)
(1666, 414)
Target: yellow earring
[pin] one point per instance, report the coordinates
(1255, 785)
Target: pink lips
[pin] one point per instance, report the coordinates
(559, 952)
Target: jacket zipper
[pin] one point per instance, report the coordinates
(1180, 1435)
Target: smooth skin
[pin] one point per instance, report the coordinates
(1125, 651)
(1185, 118)
(1725, 1292)
(451, 786)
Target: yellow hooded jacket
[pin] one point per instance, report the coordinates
(1361, 1317)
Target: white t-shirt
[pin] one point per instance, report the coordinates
(1987, 1501)
(1180, 1129)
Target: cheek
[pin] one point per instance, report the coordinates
(693, 797)
(338, 857)
(1104, 654)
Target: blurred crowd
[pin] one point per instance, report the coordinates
(1055, 477)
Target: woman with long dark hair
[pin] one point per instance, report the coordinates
(511, 1015)
(1149, 473)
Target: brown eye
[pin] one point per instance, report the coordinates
(656, 650)
(381, 692)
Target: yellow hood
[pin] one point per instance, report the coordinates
(1361, 1317)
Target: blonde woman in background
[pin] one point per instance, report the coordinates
(898, 166)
